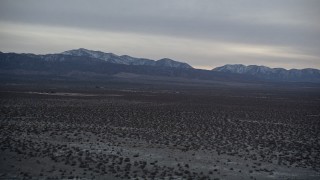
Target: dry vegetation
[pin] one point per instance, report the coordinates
(159, 135)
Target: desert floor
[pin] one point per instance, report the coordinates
(165, 134)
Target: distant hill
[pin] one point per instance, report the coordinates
(125, 59)
(274, 74)
(84, 63)
(65, 64)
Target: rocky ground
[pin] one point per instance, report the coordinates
(158, 135)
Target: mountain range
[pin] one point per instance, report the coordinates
(84, 61)
(125, 59)
(274, 74)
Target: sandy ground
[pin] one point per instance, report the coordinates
(129, 136)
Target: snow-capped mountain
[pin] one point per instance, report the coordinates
(125, 59)
(100, 63)
(271, 73)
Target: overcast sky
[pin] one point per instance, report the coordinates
(203, 33)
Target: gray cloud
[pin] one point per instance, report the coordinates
(287, 24)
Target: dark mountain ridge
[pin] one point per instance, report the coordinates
(125, 59)
(274, 74)
(95, 62)
(60, 64)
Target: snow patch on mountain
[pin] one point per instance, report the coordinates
(270, 73)
(125, 59)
